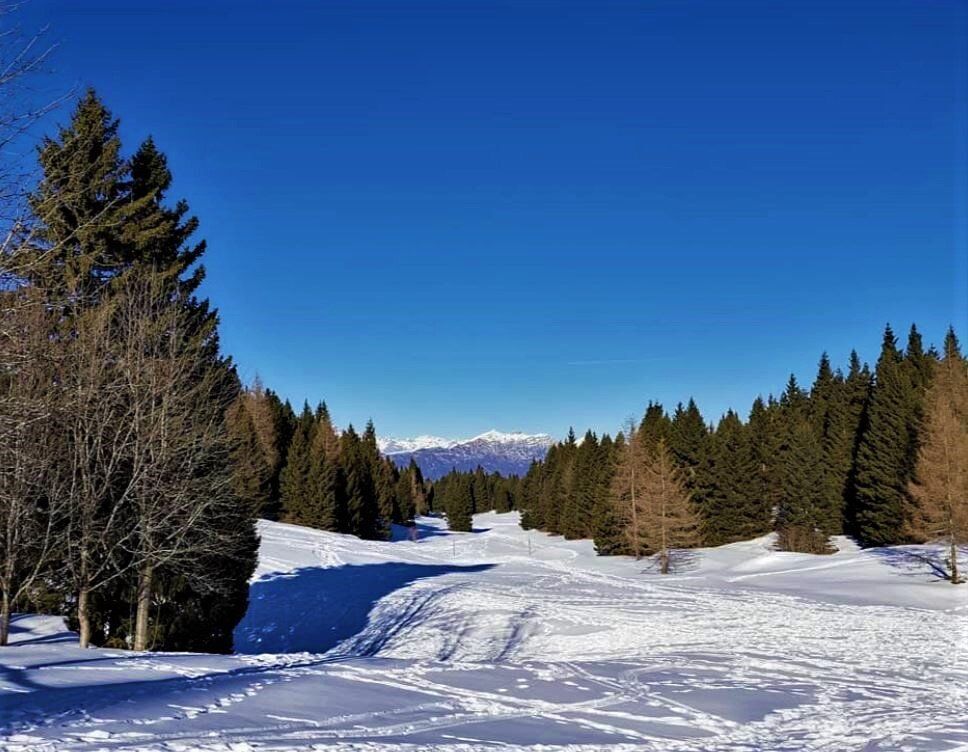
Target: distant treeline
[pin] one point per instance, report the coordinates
(881, 456)
(301, 470)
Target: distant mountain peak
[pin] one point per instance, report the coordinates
(509, 453)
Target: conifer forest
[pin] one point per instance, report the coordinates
(199, 551)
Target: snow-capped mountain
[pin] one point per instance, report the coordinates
(395, 446)
(495, 451)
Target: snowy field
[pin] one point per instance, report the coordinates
(481, 641)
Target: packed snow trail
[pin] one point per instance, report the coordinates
(503, 638)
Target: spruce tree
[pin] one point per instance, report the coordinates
(732, 507)
(461, 505)
(883, 454)
(830, 416)
(687, 441)
(251, 479)
(294, 481)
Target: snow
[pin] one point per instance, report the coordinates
(389, 446)
(402, 446)
(503, 638)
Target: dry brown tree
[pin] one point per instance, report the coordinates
(625, 493)
(668, 521)
(30, 499)
(941, 485)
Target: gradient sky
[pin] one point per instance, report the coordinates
(526, 215)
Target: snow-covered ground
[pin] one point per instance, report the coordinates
(503, 638)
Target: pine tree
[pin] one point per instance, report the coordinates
(800, 515)
(829, 413)
(607, 523)
(764, 441)
(294, 481)
(688, 435)
(655, 427)
(382, 481)
(362, 506)
(421, 502)
(251, 479)
(882, 470)
(81, 204)
(323, 505)
(940, 487)
(732, 507)
(461, 505)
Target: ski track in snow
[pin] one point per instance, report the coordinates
(477, 641)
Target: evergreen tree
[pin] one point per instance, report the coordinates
(882, 470)
(732, 506)
(655, 427)
(830, 416)
(687, 441)
(251, 480)
(294, 481)
(460, 505)
(362, 505)
(800, 516)
(607, 523)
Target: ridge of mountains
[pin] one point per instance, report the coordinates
(494, 451)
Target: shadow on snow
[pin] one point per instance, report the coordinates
(314, 609)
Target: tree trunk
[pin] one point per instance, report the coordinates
(664, 562)
(5, 619)
(84, 617)
(955, 579)
(145, 581)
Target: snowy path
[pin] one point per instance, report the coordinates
(468, 641)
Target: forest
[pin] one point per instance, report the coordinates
(134, 463)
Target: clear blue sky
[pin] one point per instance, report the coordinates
(462, 215)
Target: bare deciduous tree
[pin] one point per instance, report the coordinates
(668, 520)
(180, 451)
(941, 486)
(625, 494)
(30, 501)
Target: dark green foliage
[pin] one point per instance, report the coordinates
(802, 512)
(655, 427)
(731, 503)
(294, 480)
(251, 479)
(887, 450)
(810, 464)
(608, 529)
(459, 505)
(687, 440)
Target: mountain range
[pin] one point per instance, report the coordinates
(494, 451)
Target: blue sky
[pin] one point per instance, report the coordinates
(526, 215)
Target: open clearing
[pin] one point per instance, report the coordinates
(484, 640)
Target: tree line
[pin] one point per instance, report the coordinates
(300, 469)
(881, 456)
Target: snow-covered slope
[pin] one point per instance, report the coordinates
(495, 451)
(507, 639)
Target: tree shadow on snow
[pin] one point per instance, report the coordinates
(314, 609)
(917, 563)
(421, 530)
(17, 629)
